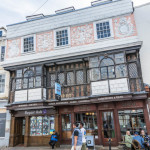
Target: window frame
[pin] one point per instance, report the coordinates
(22, 44)
(111, 29)
(3, 53)
(4, 82)
(1, 33)
(55, 42)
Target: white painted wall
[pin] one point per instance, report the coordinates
(142, 18)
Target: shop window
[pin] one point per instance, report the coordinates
(66, 126)
(90, 122)
(132, 120)
(108, 125)
(2, 123)
(41, 125)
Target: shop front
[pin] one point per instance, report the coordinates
(32, 127)
(104, 120)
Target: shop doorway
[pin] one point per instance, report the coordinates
(19, 131)
(108, 127)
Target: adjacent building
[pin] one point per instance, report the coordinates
(143, 22)
(4, 88)
(94, 53)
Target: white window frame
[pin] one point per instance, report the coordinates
(111, 30)
(22, 43)
(55, 42)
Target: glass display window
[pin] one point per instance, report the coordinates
(90, 122)
(132, 120)
(41, 125)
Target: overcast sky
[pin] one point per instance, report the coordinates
(13, 11)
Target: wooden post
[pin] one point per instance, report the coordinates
(57, 127)
(12, 133)
(27, 131)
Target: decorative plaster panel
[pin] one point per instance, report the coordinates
(13, 48)
(81, 35)
(124, 27)
(45, 41)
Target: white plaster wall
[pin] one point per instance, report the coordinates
(118, 85)
(100, 87)
(34, 94)
(21, 95)
(142, 19)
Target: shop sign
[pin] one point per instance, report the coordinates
(35, 112)
(57, 91)
(115, 98)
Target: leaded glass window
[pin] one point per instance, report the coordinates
(18, 84)
(94, 62)
(52, 80)
(2, 53)
(61, 77)
(62, 37)
(95, 74)
(28, 44)
(79, 77)
(106, 62)
(121, 71)
(38, 70)
(133, 70)
(38, 81)
(119, 58)
(19, 73)
(103, 30)
(25, 83)
(70, 78)
(31, 82)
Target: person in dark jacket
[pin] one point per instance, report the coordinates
(54, 139)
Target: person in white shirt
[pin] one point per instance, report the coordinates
(83, 131)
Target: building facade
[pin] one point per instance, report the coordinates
(4, 87)
(94, 53)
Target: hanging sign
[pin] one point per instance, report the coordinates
(57, 91)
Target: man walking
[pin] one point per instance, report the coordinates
(83, 131)
(76, 138)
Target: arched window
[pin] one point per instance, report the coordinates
(107, 68)
(28, 81)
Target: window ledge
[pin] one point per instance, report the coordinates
(62, 47)
(103, 39)
(27, 53)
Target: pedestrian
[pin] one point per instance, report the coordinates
(83, 131)
(128, 139)
(76, 138)
(54, 139)
(139, 139)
